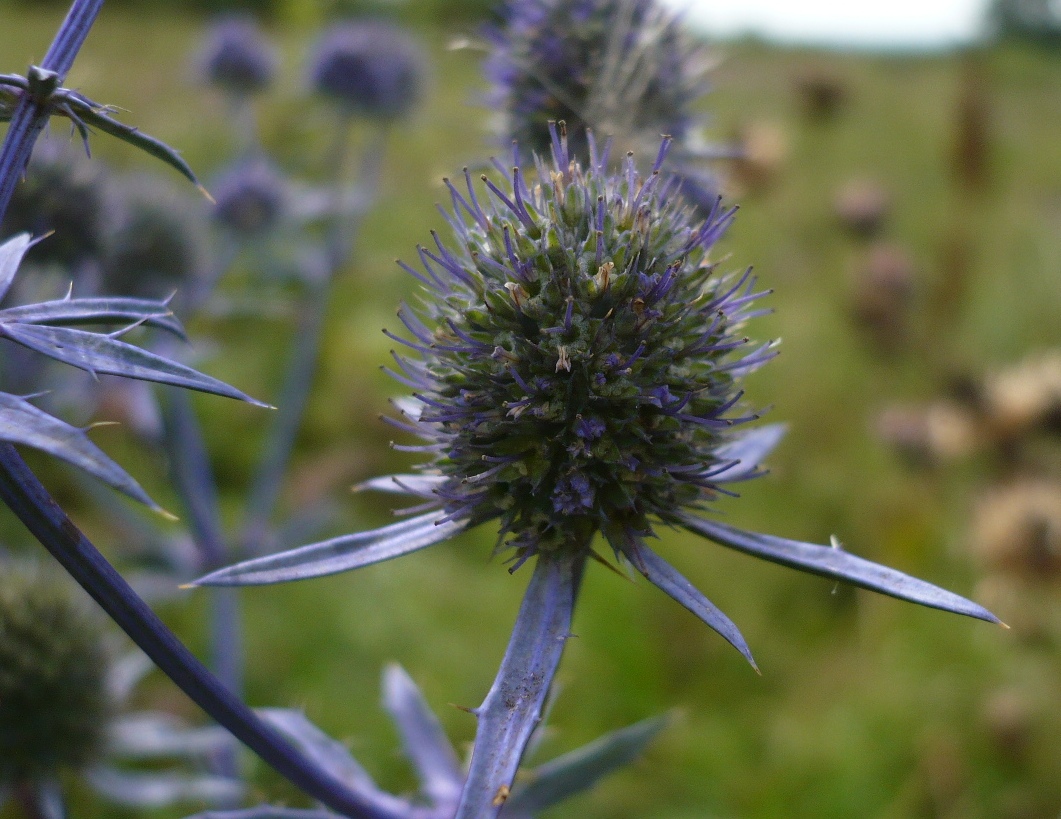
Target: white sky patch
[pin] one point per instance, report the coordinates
(887, 24)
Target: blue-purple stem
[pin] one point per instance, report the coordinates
(30, 115)
(194, 479)
(302, 367)
(29, 500)
(513, 707)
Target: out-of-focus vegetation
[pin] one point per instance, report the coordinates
(298, 12)
(906, 211)
(1031, 20)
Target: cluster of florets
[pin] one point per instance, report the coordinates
(237, 58)
(623, 68)
(54, 704)
(580, 354)
(369, 68)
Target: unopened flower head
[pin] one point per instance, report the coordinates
(237, 58)
(250, 198)
(54, 702)
(582, 356)
(623, 68)
(61, 192)
(369, 68)
(157, 242)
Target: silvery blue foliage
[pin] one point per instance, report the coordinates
(52, 329)
(576, 370)
(369, 68)
(237, 58)
(437, 765)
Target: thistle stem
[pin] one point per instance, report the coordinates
(302, 367)
(29, 500)
(31, 115)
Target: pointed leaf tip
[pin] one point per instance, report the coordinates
(669, 580)
(836, 564)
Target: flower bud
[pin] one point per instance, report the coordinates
(54, 705)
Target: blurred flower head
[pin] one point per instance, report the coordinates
(250, 198)
(61, 192)
(1016, 528)
(622, 68)
(157, 242)
(236, 57)
(369, 68)
(54, 704)
(62, 692)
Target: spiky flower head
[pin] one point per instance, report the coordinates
(54, 702)
(581, 354)
(157, 242)
(237, 58)
(250, 198)
(369, 68)
(61, 192)
(622, 68)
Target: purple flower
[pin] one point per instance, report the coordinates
(369, 68)
(250, 198)
(580, 301)
(624, 69)
(237, 58)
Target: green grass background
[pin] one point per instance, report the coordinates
(866, 707)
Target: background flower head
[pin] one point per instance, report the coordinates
(236, 57)
(623, 68)
(369, 68)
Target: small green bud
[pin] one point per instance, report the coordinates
(54, 705)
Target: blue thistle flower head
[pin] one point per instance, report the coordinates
(237, 58)
(581, 355)
(250, 198)
(369, 68)
(624, 68)
(576, 365)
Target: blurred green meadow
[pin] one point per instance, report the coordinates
(866, 706)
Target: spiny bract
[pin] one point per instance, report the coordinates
(581, 355)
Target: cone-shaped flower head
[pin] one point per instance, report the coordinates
(582, 356)
(623, 68)
(250, 198)
(237, 58)
(369, 68)
(61, 192)
(54, 702)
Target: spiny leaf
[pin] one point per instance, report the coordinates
(98, 353)
(23, 423)
(106, 310)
